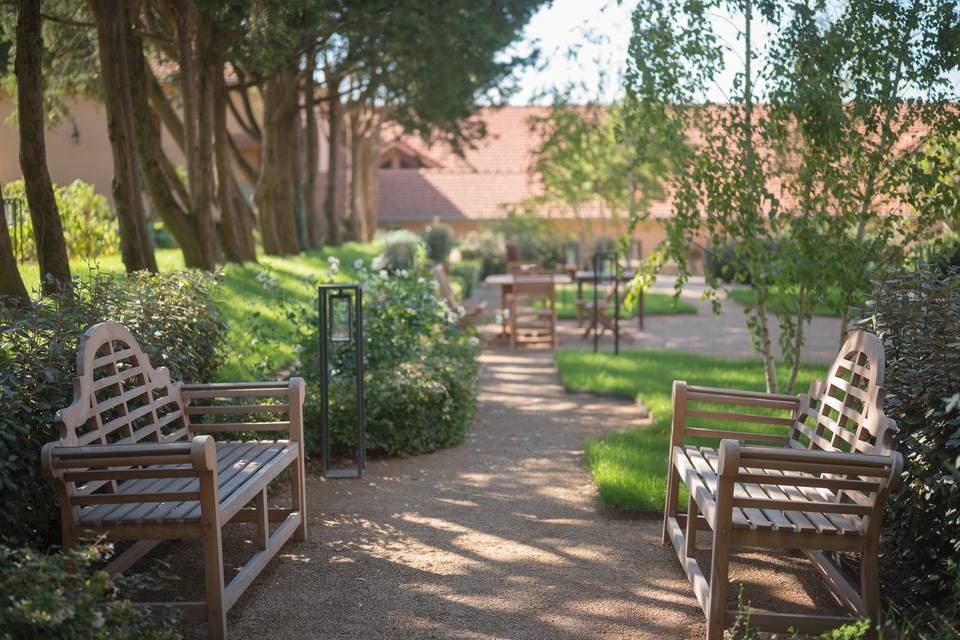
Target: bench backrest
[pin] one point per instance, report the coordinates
(844, 412)
(118, 396)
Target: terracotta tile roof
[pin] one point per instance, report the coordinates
(494, 174)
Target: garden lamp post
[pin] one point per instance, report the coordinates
(341, 327)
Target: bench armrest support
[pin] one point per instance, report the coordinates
(291, 392)
(200, 453)
(685, 395)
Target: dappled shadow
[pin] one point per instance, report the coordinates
(499, 537)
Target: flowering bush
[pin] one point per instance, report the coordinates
(420, 370)
(60, 596)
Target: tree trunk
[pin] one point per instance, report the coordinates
(235, 227)
(315, 223)
(208, 74)
(364, 177)
(11, 284)
(334, 117)
(798, 341)
(766, 345)
(47, 228)
(160, 180)
(275, 192)
(113, 31)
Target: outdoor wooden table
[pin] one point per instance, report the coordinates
(586, 277)
(505, 282)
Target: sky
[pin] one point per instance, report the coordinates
(585, 42)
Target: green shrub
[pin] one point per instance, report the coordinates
(535, 238)
(401, 251)
(488, 247)
(467, 273)
(89, 226)
(62, 597)
(420, 371)
(175, 320)
(918, 317)
(438, 238)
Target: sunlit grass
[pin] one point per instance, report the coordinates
(654, 304)
(830, 305)
(629, 467)
(260, 337)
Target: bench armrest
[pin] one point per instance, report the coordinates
(684, 396)
(832, 470)
(291, 394)
(200, 453)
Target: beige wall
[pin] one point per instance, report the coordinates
(650, 233)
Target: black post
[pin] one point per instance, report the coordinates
(616, 304)
(354, 335)
(595, 319)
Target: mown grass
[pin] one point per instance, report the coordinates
(262, 335)
(654, 304)
(830, 305)
(629, 467)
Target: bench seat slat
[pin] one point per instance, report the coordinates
(698, 468)
(236, 463)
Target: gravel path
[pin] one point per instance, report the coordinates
(500, 537)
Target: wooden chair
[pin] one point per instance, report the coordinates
(533, 310)
(822, 490)
(602, 318)
(130, 463)
(472, 310)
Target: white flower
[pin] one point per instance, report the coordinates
(403, 273)
(498, 318)
(358, 264)
(473, 341)
(506, 314)
(420, 280)
(60, 616)
(952, 403)
(461, 311)
(334, 264)
(383, 274)
(379, 262)
(98, 620)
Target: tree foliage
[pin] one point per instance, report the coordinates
(806, 169)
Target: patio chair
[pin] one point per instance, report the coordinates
(472, 310)
(533, 310)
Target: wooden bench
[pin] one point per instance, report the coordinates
(821, 490)
(130, 465)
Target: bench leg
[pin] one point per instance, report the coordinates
(212, 556)
(673, 490)
(692, 514)
(870, 581)
(299, 490)
(720, 561)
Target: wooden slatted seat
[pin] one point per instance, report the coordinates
(134, 462)
(533, 309)
(818, 485)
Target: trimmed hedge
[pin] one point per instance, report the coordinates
(174, 317)
(917, 315)
(420, 368)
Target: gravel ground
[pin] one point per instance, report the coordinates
(500, 537)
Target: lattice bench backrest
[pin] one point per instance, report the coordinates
(845, 410)
(118, 397)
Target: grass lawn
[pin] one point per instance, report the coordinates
(654, 304)
(260, 335)
(829, 306)
(629, 467)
